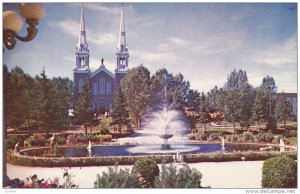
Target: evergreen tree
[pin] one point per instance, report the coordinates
(44, 111)
(203, 114)
(284, 109)
(83, 110)
(260, 108)
(269, 86)
(61, 98)
(119, 113)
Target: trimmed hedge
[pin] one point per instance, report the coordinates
(18, 159)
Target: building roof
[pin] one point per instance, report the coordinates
(103, 68)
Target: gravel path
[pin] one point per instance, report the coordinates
(217, 175)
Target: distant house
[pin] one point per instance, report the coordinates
(102, 82)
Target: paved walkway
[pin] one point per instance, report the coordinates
(217, 175)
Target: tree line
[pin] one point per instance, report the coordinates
(35, 103)
(43, 103)
(238, 100)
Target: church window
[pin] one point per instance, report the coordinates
(108, 88)
(95, 88)
(80, 85)
(102, 86)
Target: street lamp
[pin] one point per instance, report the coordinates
(13, 23)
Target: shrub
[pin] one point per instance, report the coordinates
(60, 140)
(117, 179)
(247, 136)
(105, 137)
(104, 131)
(12, 140)
(279, 172)
(37, 140)
(214, 136)
(272, 123)
(146, 170)
(192, 137)
(203, 136)
(185, 177)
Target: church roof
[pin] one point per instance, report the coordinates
(102, 68)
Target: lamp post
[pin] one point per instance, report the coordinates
(13, 23)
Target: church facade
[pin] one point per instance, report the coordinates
(102, 82)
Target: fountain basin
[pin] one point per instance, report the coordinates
(127, 155)
(166, 136)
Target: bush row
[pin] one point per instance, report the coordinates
(18, 159)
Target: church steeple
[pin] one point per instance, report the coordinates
(122, 37)
(82, 43)
(82, 49)
(122, 53)
(122, 50)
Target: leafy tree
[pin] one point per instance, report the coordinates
(284, 109)
(193, 99)
(233, 106)
(260, 108)
(203, 114)
(146, 170)
(269, 86)
(119, 112)
(17, 97)
(178, 90)
(237, 80)
(279, 172)
(216, 99)
(185, 177)
(83, 110)
(160, 87)
(136, 89)
(117, 179)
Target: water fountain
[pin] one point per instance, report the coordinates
(89, 148)
(165, 136)
(281, 145)
(223, 143)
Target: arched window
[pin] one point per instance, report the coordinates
(80, 85)
(108, 88)
(95, 88)
(102, 86)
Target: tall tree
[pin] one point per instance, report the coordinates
(260, 108)
(233, 106)
(284, 109)
(216, 99)
(119, 113)
(136, 88)
(44, 111)
(61, 101)
(269, 86)
(203, 114)
(83, 109)
(178, 92)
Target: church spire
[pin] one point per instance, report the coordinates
(82, 49)
(122, 38)
(82, 43)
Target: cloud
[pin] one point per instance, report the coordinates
(153, 57)
(102, 8)
(71, 27)
(280, 55)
